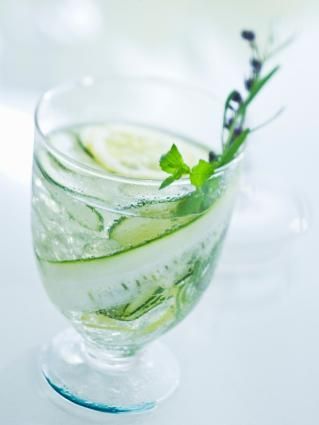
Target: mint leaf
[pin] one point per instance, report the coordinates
(202, 198)
(172, 163)
(169, 180)
(191, 204)
(201, 172)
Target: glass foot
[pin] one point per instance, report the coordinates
(109, 384)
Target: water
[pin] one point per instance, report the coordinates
(123, 263)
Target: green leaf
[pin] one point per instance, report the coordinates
(233, 148)
(241, 113)
(202, 198)
(169, 180)
(172, 161)
(191, 204)
(201, 172)
(259, 84)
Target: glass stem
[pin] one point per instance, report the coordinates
(108, 359)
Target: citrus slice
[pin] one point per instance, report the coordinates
(133, 151)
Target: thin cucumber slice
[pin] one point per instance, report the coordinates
(129, 312)
(131, 232)
(86, 215)
(55, 172)
(141, 298)
(164, 321)
(101, 321)
(148, 300)
(69, 142)
(90, 285)
(132, 150)
(156, 299)
(213, 219)
(54, 169)
(142, 303)
(81, 145)
(156, 208)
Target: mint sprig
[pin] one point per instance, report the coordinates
(234, 134)
(173, 163)
(201, 172)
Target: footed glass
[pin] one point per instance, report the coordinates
(123, 261)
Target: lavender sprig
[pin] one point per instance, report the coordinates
(234, 133)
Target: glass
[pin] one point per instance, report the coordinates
(123, 261)
(269, 219)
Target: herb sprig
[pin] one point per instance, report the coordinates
(234, 132)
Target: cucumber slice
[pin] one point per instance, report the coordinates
(84, 214)
(156, 208)
(142, 298)
(127, 314)
(71, 283)
(53, 171)
(166, 319)
(147, 300)
(61, 175)
(132, 150)
(69, 142)
(132, 232)
(101, 321)
(81, 145)
(154, 301)
(155, 219)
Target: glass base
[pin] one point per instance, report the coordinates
(110, 384)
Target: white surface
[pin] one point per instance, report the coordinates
(249, 353)
(247, 357)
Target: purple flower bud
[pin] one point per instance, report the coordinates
(236, 97)
(229, 123)
(256, 64)
(248, 35)
(238, 131)
(249, 83)
(212, 156)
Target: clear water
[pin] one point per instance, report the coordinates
(121, 263)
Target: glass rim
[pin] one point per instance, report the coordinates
(88, 81)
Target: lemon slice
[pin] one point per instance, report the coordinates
(134, 151)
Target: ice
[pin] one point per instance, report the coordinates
(60, 235)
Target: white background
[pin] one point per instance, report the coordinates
(249, 353)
